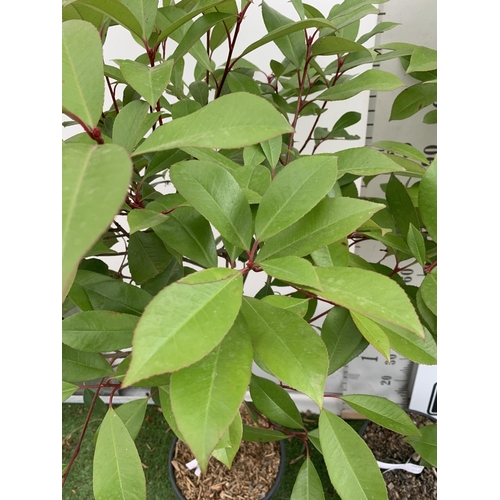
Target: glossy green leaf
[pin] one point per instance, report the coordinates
(342, 338)
(118, 470)
(154, 381)
(289, 347)
(67, 390)
(105, 293)
(217, 196)
(132, 415)
(294, 191)
(272, 150)
(416, 244)
(379, 28)
(94, 181)
(275, 403)
(173, 272)
(241, 83)
(117, 11)
(364, 161)
(422, 59)
(80, 366)
(98, 331)
(189, 233)
(183, 108)
(402, 210)
(292, 46)
(430, 118)
(147, 256)
(308, 484)
(372, 332)
(205, 154)
(207, 395)
(413, 99)
(292, 269)
(297, 306)
(370, 294)
(256, 178)
(220, 32)
(428, 289)
(429, 319)
(256, 121)
(372, 79)
(329, 221)
(226, 454)
(166, 406)
(82, 71)
(193, 315)
(132, 123)
(144, 219)
(351, 465)
(145, 12)
(411, 168)
(427, 200)
(255, 434)
(100, 407)
(333, 255)
(426, 444)
(401, 149)
(330, 45)
(148, 82)
(383, 412)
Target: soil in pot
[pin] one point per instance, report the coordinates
(253, 473)
(388, 446)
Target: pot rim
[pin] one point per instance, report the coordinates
(270, 493)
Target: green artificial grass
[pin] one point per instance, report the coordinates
(153, 444)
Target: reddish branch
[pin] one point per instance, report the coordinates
(94, 134)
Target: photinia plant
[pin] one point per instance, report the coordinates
(195, 184)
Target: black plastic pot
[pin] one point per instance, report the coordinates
(270, 494)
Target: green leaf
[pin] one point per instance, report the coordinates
(279, 337)
(205, 154)
(272, 150)
(411, 168)
(144, 219)
(430, 118)
(132, 415)
(116, 11)
(426, 444)
(402, 210)
(372, 79)
(226, 454)
(145, 12)
(256, 121)
(416, 244)
(67, 390)
(422, 59)
(351, 465)
(342, 338)
(330, 45)
(308, 484)
(428, 289)
(275, 403)
(82, 71)
(132, 123)
(257, 435)
(217, 196)
(383, 412)
(413, 99)
(370, 294)
(79, 366)
(220, 32)
(333, 255)
(292, 269)
(189, 233)
(147, 256)
(241, 83)
(98, 331)
(287, 29)
(117, 466)
(428, 318)
(297, 306)
(105, 293)
(329, 221)
(401, 149)
(207, 395)
(294, 191)
(211, 298)
(379, 28)
(95, 181)
(148, 82)
(166, 407)
(256, 178)
(292, 46)
(364, 161)
(183, 108)
(372, 332)
(427, 200)
(197, 30)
